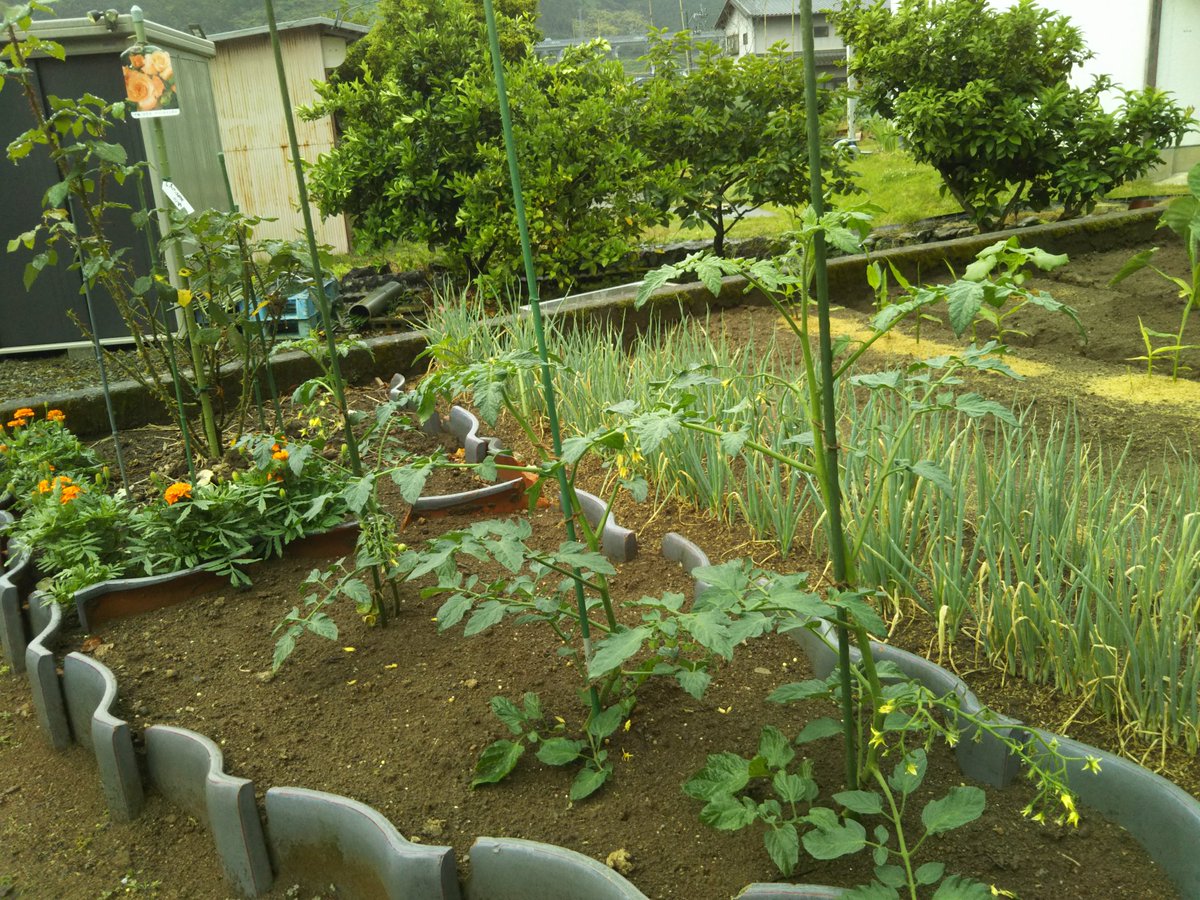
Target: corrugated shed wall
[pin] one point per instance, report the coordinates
(254, 134)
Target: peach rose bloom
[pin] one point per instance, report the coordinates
(158, 63)
(142, 89)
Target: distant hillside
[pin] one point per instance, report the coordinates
(560, 18)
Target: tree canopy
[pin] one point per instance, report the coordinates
(421, 155)
(983, 96)
(731, 132)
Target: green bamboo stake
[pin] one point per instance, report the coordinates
(172, 358)
(829, 444)
(252, 318)
(99, 353)
(36, 106)
(335, 369)
(564, 491)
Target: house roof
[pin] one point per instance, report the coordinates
(351, 31)
(769, 9)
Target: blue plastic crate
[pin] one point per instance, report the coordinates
(300, 309)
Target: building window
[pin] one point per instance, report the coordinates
(745, 39)
(820, 31)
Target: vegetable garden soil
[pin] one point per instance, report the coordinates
(395, 718)
(403, 739)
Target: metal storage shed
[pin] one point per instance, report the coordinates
(38, 319)
(253, 131)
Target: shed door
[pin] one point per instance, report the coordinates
(40, 316)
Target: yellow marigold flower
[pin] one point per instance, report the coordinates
(24, 413)
(180, 490)
(3, 448)
(69, 493)
(56, 415)
(280, 455)
(43, 486)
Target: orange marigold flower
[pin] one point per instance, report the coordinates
(180, 490)
(17, 423)
(56, 415)
(274, 476)
(3, 448)
(280, 455)
(24, 413)
(69, 493)
(45, 486)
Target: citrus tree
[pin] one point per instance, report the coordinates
(421, 156)
(731, 132)
(983, 96)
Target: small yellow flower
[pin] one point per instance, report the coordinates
(1092, 764)
(887, 706)
(910, 769)
(876, 738)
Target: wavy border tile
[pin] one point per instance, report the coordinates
(42, 671)
(617, 542)
(90, 690)
(13, 636)
(677, 548)
(87, 598)
(515, 869)
(189, 770)
(355, 847)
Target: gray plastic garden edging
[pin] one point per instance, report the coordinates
(357, 845)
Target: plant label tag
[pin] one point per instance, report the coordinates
(175, 195)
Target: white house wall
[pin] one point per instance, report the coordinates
(1179, 55)
(779, 29)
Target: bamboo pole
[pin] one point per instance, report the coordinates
(566, 498)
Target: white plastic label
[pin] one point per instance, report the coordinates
(175, 195)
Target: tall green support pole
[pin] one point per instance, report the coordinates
(829, 438)
(175, 263)
(335, 370)
(249, 300)
(37, 105)
(172, 358)
(514, 172)
(98, 350)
